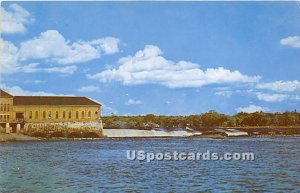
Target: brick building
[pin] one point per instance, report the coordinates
(43, 109)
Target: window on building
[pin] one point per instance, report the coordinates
(77, 115)
(70, 114)
(96, 114)
(0, 118)
(7, 117)
(89, 114)
(1, 107)
(49, 115)
(7, 107)
(36, 116)
(44, 114)
(30, 114)
(82, 114)
(4, 117)
(4, 109)
(56, 115)
(64, 114)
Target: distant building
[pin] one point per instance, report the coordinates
(43, 109)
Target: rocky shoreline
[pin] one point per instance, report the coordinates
(26, 138)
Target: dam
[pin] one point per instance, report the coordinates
(147, 133)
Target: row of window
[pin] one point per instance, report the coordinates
(4, 118)
(4, 107)
(65, 115)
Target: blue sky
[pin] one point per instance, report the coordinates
(173, 58)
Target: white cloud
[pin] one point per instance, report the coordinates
(148, 66)
(133, 102)
(109, 45)
(252, 109)
(18, 91)
(9, 62)
(33, 67)
(14, 19)
(64, 70)
(34, 81)
(8, 56)
(225, 93)
(271, 97)
(293, 41)
(90, 88)
(52, 45)
(280, 86)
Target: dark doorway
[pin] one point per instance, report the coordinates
(20, 117)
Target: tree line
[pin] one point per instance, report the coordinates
(208, 119)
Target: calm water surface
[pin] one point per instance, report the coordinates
(102, 166)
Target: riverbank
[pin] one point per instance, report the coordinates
(16, 137)
(4, 138)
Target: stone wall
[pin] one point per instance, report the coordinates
(65, 127)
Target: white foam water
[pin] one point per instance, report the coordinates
(145, 133)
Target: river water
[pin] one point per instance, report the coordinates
(102, 166)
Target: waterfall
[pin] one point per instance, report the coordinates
(146, 133)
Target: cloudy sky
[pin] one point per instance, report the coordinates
(173, 58)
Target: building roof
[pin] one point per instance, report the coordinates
(4, 94)
(53, 100)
